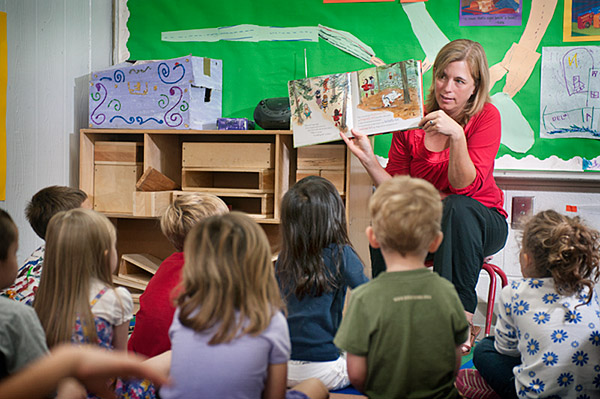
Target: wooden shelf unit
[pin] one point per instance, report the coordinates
(256, 187)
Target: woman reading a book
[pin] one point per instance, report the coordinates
(454, 149)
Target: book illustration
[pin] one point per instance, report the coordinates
(393, 87)
(374, 100)
(324, 98)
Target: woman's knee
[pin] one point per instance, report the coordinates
(459, 205)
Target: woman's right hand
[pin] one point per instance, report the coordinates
(360, 145)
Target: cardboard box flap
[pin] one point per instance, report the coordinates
(208, 72)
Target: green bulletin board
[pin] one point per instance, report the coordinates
(256, 70)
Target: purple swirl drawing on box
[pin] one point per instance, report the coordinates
(128, 121)
(162, 94)
(163, 101)
(117, 106)
(164, 72)
(98, 118)
(141, 120)
(119, 76)
(174, 119)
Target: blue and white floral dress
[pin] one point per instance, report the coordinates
(557, 340)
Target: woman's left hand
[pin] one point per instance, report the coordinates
(440, 122)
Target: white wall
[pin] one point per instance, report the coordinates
(52, 46)
(549, 191)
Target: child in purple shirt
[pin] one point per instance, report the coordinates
(229, 337)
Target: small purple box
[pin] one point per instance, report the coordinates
(235, 124)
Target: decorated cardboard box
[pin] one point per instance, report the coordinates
(181, 93)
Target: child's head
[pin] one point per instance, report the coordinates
(49, 201)
(312, 218)
(185, 212)
(406, 215)
(563, 248)
(9, 244)
(80, 245)
(228, 269)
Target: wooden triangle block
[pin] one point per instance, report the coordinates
(153, 180)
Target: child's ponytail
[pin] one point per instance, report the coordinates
(564, 248)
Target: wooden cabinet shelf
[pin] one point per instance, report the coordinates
(250, 170)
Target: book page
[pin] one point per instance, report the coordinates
(390, 99)
(320, 108)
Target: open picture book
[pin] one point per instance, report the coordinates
(374, 100)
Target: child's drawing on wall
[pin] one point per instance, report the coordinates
(570, 92)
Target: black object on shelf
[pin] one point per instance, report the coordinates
(273, 113)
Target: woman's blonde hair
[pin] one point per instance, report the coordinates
(78, 248)
(228, 278)
(565, 249)
(473, 54)
(187, 210)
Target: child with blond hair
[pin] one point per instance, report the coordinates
(77, 301)
(403, 331)
(229, 335)
(151, 332)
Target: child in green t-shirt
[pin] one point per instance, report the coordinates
(403, 330)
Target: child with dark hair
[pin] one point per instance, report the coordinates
(547, 337)
(22, 338)
(43, 205)
(316, 266)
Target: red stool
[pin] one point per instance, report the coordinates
(492, 271)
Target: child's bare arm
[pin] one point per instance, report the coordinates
(276, 381)
(91, 366)
(357, 370)
(120, 336)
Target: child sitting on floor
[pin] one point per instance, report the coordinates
(403, 331)
(547, 340)
(152, 321)
(229, 336)
(43, 205)
(22, 338)
(76, 291)
(315, 268)
(77, 301)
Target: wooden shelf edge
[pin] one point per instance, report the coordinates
(230, 192)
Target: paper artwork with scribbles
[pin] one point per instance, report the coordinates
(375, 100)
(570, 92)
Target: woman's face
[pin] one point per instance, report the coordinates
(454, 88)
